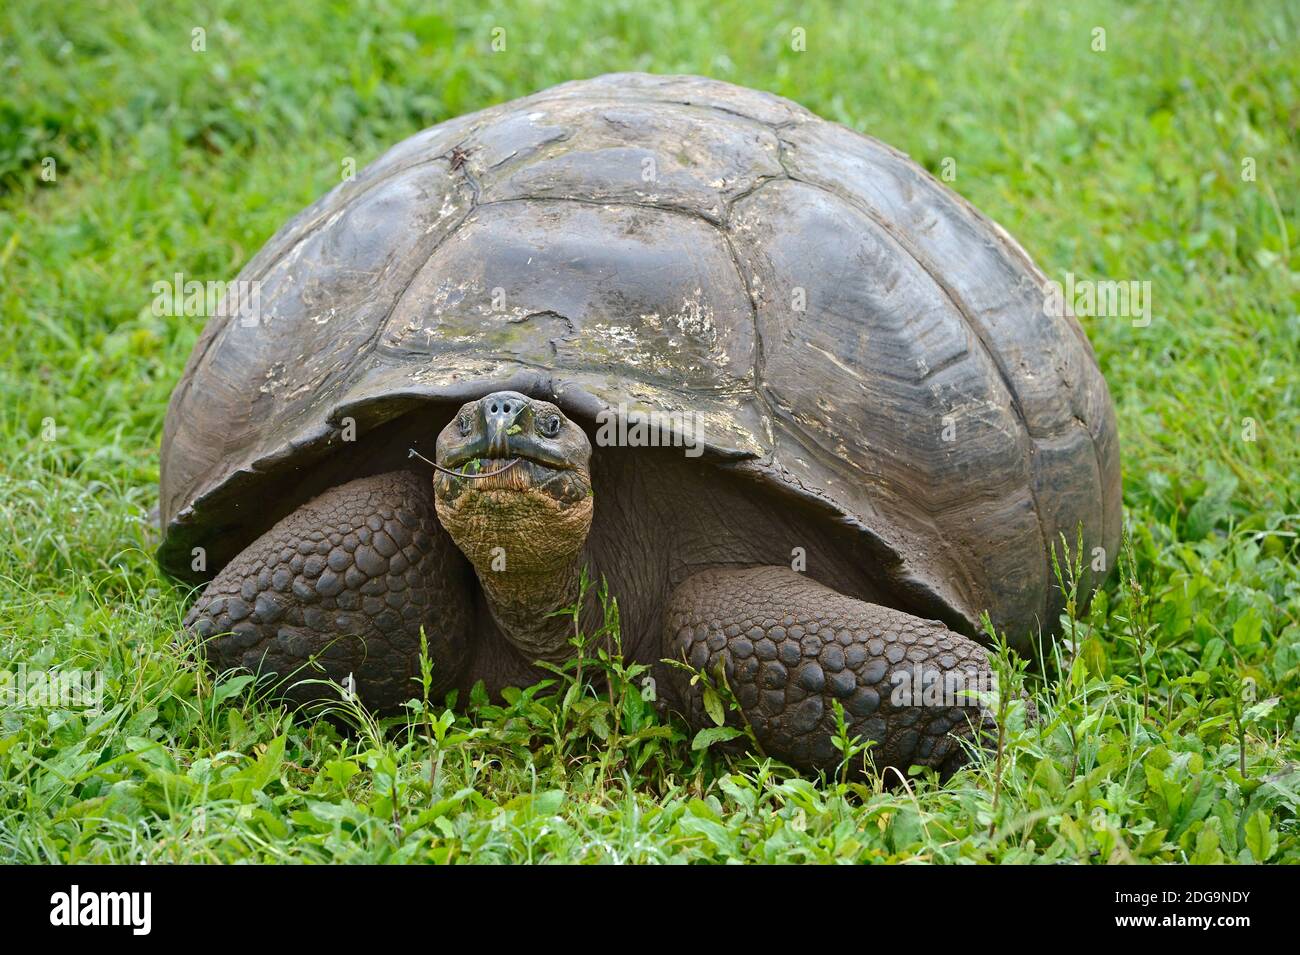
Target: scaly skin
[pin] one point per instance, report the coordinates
(789, 647)
(523, 528)
(348, 580)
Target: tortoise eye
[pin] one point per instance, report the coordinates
(549, 426)
(464, 423)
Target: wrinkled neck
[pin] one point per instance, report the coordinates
(530, 608)
(527, 551)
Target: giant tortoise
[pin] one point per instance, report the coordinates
(797, 403)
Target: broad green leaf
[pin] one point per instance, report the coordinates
(1261, 837)
(713, 706)
(714, 734)
(1248, 629)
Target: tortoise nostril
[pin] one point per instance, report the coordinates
(498, 413)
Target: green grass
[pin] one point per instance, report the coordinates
(1169, 722)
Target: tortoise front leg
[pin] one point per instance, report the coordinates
(342, 587)
(790, 646)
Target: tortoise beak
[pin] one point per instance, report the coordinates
(505, 425)
(500, 411)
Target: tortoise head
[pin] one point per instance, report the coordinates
(513, 485)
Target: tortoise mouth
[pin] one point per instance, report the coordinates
(473, 459)
(518, 473)
(478, 477)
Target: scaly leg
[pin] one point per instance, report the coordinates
(790, 646)
(347, 580)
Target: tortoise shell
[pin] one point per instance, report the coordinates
(844, 329)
